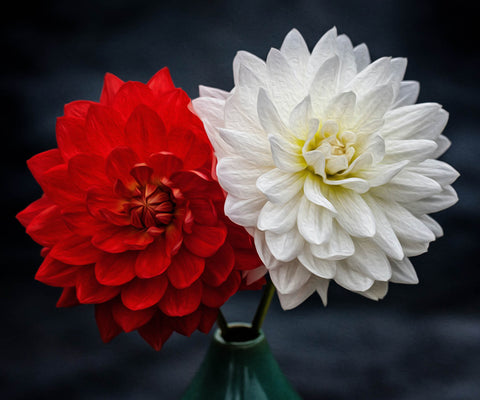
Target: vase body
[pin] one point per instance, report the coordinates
(239, 369)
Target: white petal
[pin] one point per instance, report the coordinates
(409, 186)
(371, 107)
(377, 291)
(313, 191)
(285, 156)
(285, 246)
(292, 300)
(269, 118)
(417, 121)
(431, 224)
(341, 107)
(413, 248)
(244, 211)
(279, 217)
(381, 174)
(407, 94)
(207, 91)
(356, 184)
(286, 89)
(263, 251)
(405, 224)
(221, 148)
(295, 51)
(348, 65)
(316, 160)
(324, 84)
(247, 78)
(362, 56)
(279, 186)
(412, 150)
(323, 50)
(375, 74)
(250, 145)
(241, 110)
(384, 236)
(443, 144)
(437, 170)
(353, 214)
(351, 279)
(314, 222)
(300, 117)
(403, 272)
(322, 289)
(338, 247)
(289, 277)
(254, 275)
(238, 176)
(254, 64)
(447, 198)
(317, 266)
(370, 260)
(211, 109)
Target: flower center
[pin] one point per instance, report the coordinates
(336, 146)
(152, 206)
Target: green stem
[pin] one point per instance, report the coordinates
(262, 309)
(222, 323)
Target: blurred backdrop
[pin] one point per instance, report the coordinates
(420, 342)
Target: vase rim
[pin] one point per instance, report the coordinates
(246, 343)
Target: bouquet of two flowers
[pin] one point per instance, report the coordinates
(316, 166)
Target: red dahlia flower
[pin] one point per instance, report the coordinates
(131, 219)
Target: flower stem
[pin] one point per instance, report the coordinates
(262, 309)
(222, 323)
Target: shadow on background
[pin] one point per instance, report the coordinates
(421, 342)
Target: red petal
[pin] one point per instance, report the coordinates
(106, 324)
(142, 173)
(188, 324)
(40, 163)
(209, 316)
(68, 298)
(111, 85)
(58, 186)
(47, 228)
(130, 95)
(164, 164)
(71, 136)
(101, 198)
(116, 269)
(153, 261)
(219, 266)
(204, 240)
(55, 273)
(161, 82)
(194, 185)
(185, 269)
(173, 237)
(246, 259)
(29, 213)
(145, 131)
(89, 291)
(193, 151)
(117, 239)
(80, 221)
(238, 237)
(75, 250)
(78, 108)
(130, 320)
(157, 331)
(173, 109)
(104, 129)
(216, 296)
(144, 293)
(87, 170)
(203, 211)
(180, 302)
(119, 163)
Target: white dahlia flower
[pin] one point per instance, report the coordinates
(330, 165)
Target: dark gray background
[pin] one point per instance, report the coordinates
(420, 342)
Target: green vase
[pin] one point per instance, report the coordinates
(240, 367)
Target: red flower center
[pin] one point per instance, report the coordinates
(152, 206)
